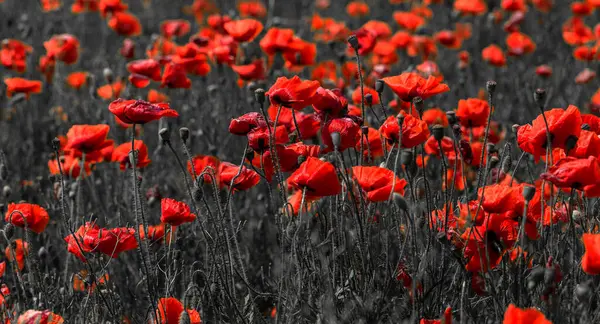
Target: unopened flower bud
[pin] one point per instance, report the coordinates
(438, 132)
(419, 104)
(379, 86)
(184, 134)
(6, 191)
(108, 75)
(451, 115)
(353, 41)
(164, 134)
(528, 192)
(259, 94)
(491, 87)
(539, 96)
(56, 144)
(369, 99)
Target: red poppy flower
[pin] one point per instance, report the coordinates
(470, 7)
(308, 123)
(297, 60)
(139, 111)
(493, 55)
(128, 48)
(366, 41)
(435, 116)
(409, 85)
(379, 28)
(110, 7)
(585, 76)
(581, 8)
(247, 122)
(304, 149)
(147, 67)
(87, 138)
(519, 44)
(317, 177)
(587, 145)
(447, 319)
(432, 147)
(252, 8)
(414, 131)
(357, 9)
(485, 244)
(513, 5)
(111, 91)
(157, 97)
(156, 233)
(139, 81)
(35, 216)
(75, 242)
(590, 262)
(170, 310)
(259, 138)
(378, 182)
(515, 315)
(408, 20)
(82, 281)
(562, 124)
(288, 161)
(292, 93)
(201, 163)
(174, 27)
(77, 80)
(543, 5)
(592, 121)
(473, 112)
(125, 23)
(544, 71)
(572, 172)
(174, 77)
(111, 242)
(175, 212)
(81, 6)
(252, 71)
(71, 166)
(585, 53)
(278, 40)
(357, 95)
(347, 130)
(575, 32)
(372, 145)
(242, 180)
(244, 30)
(40, 316)
(329, 103)
(17, 251)
(20, 85)
(64, 47)
(13, 54)
(121, 155)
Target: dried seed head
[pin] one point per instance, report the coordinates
(491, 87)
(369, 99)
(419, 104)
(379, 86)
(353, 41)
(539, 96)
(336, 139)
(438, 132)
(259, 94)
(184, 134)
(108, 75)
(528, 192)
(56, 144)
(9, 230)
(164, 134)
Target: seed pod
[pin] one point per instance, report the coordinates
(379, 86)
(259, 95)
(491, 87)
(184, 134)
(353, 41)
(528, 192)
(369, 99)
(108, 75)
(438, 132)
(539, 96)
(419, 104)
(400, 202)
(164, 134)
(452, 119)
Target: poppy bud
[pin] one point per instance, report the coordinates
(419, 104)
(197, 193)
(400, 202)
(528, 192)
(365, 130)
(259, 94)
(585, 126)
(369, 99)
(108, 75)
(6, 191)
(42, 252)
(353, 41)
(164, 134)
(3, 172)
(451, 115)
(494, 161)
(184, 134)
(379, 86)
(491, 86)
(56, 144)
(9, 230)
(438, 132)
(400, 118)
(336, 139)
(250, 154)
(406, 158)
(570, 143)
(490, 148)
(539, 96)
(184, 318)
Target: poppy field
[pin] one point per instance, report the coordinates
(305, 161)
